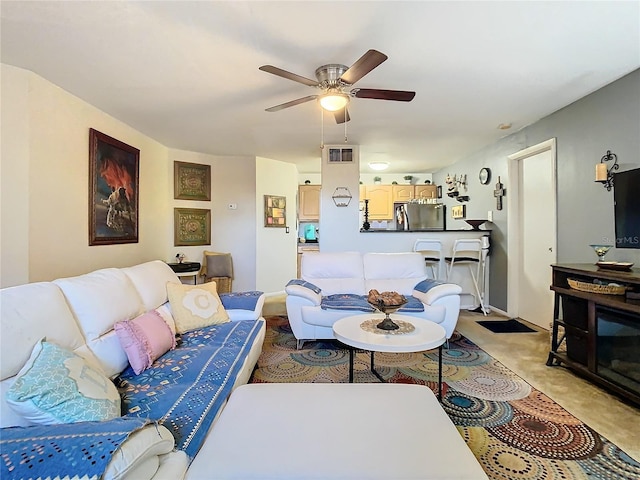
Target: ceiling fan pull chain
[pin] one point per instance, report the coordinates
(345, 125)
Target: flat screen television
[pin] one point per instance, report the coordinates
(626, 199)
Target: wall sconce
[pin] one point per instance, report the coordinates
(604, 175)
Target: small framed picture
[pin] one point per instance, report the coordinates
(458, 211)
(191, 226)
(275, 211)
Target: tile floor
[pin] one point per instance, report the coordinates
(526, 355)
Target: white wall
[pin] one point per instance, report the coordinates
(276, 257)
(48, 149)
(45, 187)
(14, 176)
(232, 181)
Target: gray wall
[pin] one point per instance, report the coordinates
(608, 119)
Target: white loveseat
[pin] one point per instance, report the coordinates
(327, 276)
(78, 314)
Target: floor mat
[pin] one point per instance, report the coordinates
(505, 326)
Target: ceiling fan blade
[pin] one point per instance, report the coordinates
(291, 76)
(342, 115)
(292, 103)
(397, 95)
(362, 66)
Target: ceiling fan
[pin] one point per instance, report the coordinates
(334, 81)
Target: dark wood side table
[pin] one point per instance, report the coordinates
(597, 335)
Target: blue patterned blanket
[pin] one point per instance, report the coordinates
(350, 301)
(185, 388)
(60, 451)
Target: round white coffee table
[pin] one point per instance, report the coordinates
(425, 335)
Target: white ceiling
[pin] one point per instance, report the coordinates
(186, 73)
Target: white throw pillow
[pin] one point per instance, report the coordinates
(58, 386)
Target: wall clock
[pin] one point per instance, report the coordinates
(485, 175)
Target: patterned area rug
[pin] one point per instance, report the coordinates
(515, 431)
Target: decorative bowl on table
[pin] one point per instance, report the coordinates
(601, 250)
(475, 224)
(387, 323)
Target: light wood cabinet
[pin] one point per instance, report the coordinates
(380, 201)
(309, 202)
(426, 191)
(402, 193)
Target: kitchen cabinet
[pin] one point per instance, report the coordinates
(309, 202)
(426, 191)
(402, 193)
(380, 201)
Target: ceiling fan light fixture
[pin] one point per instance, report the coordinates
(378, 165)
(333, 101)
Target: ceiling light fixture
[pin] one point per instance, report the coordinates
(333, 101)
(378, 165)
(504, 126)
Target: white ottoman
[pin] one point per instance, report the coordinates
(334, 431)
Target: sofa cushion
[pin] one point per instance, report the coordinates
(25, 322)
(397, 272)
(58, 386)
(150, 280)
(195, 306)
(339, 272)
(98, 300)
(144, 339)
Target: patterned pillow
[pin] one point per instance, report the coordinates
(58, 386)
(195, 306)
(144, 339)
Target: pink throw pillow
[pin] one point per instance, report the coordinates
(144, 339)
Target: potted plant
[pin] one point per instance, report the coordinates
(408, 178)
(377, 180)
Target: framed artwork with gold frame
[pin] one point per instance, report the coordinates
(275, 211)
(191, 226)
(191, 181)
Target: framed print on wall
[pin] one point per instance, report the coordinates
(114, 170)
(191, 226)
(191, 181)
(275, 211)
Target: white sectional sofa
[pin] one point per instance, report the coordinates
(79, 314)
(332, 282)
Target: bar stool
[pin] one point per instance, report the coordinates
(432, 252)
(469, 252)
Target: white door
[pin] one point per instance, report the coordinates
(536, 232)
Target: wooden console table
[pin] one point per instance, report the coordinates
(578, 315)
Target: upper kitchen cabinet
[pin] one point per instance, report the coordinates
(309, 202)
(380, 201)
(426, 191)
(402, 193)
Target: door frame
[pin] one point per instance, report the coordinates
(514, 253)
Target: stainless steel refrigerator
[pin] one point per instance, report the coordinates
(420, 216)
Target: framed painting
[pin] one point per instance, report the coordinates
(191, 181)
(191, 226)
(458, 211)
(114, 170)
(275, 211)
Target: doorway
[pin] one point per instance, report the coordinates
(532, 230)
